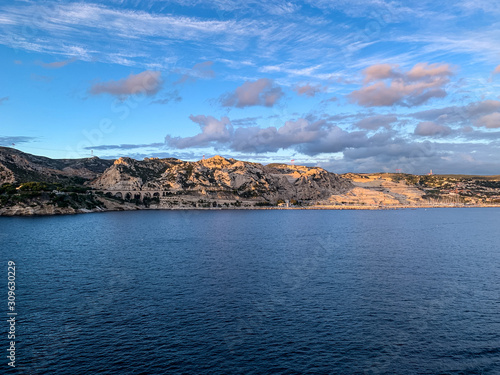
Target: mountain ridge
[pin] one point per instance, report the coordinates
(31, 184)
(167, 183)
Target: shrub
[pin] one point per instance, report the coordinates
(8, 189)
(35, 186)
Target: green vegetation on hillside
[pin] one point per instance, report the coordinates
(38, 193)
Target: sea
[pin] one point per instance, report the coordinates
(254, 292)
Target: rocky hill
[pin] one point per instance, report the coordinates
(18, 166)
(38, 182)
(220, 178)
(32, 184)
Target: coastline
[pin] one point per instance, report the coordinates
(125, 184)
(42, 211)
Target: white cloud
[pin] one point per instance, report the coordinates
(491, 121)
(459, 115)
(261, 92)
(147, 83)
(429, 129)
(414, 87)
(200, 70)
(376, 122)
(213, 132)
(56, 64)
(12, 141)
(309, 90)
(308, 137)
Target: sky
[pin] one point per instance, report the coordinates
(350, 86)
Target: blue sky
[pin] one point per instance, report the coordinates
(361, 86)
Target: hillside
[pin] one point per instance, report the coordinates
(32, 184)
(18, 166)
(415, 190)
(220, 178)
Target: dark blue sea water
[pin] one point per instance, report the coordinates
(256, 292)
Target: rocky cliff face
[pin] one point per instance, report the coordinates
(213, 181)
(61, 186)
(220, 178)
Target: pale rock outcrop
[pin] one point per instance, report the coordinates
(218, 177)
